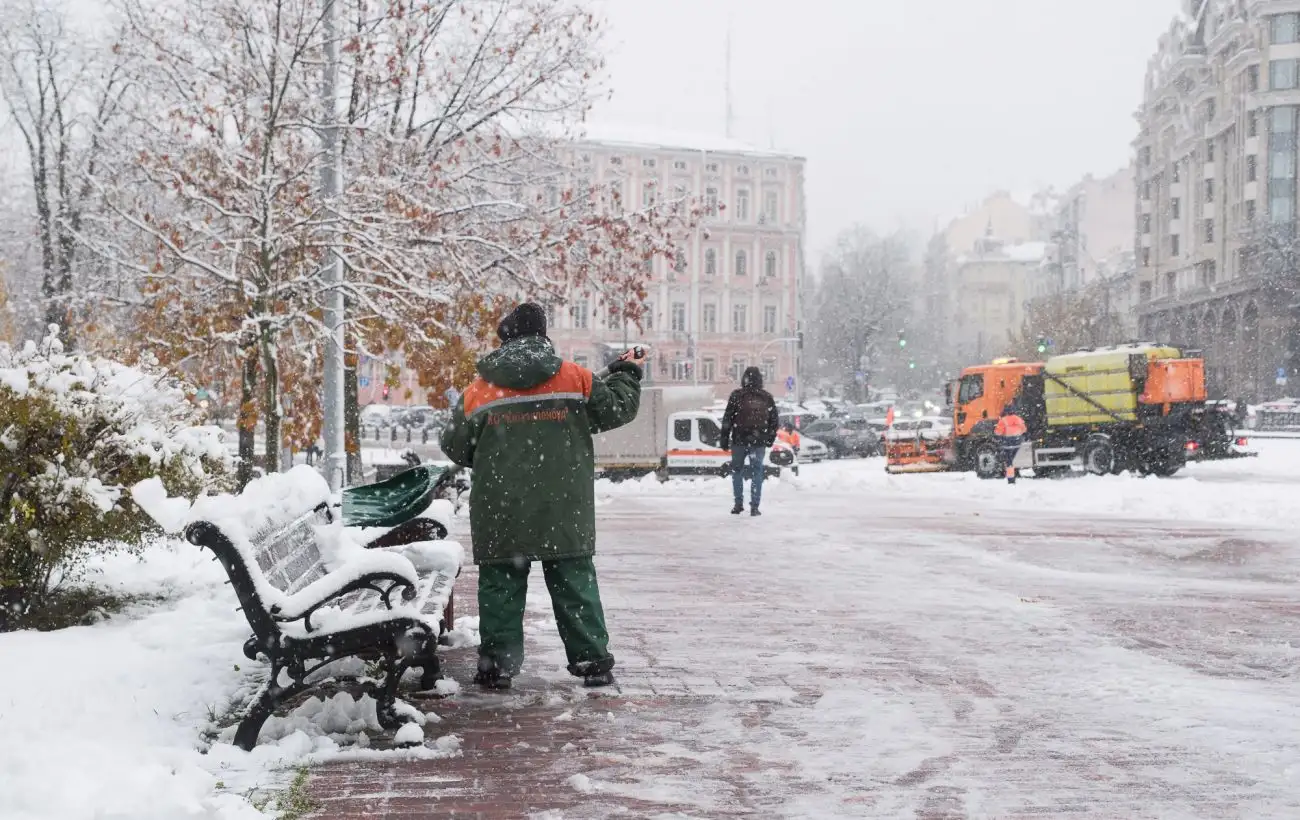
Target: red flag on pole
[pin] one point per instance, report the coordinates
(889, 418)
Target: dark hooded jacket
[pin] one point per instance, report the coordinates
(745, 422)
(525, 427)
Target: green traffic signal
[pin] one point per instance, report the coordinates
(911, 365)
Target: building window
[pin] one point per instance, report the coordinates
(1284, 29)
(1282, 74)
(1209, 150)
(1252, 78)
(740, 318)
(709, 318)
(1281, 209)
(584, 158)
(1178, 172)
(1211, 110)
(679, 165)
(1171, 283)
(710, 262)
(579, 313)
(769, 371)
(742, 205)
(1146, 257)
(742, 263)
(708, 370)
(711, 168)
(770, 173)
(615, 160)
(742, 170)
(769, 206)
(1146, 223)
(678, 317)
(738, 365)
(769, 265)
(711, 201)
(769, 319)
(1144, 291)
(1209, 230)
(1250, 210)
(648, 195)
(581, 360)
(1209, 273)
(617, 196)
(1173, 245)
(1209, 190)
(1252, 168)
(1146, 189)
(648, 316)
(1252, 124)
(1175, 208)
(648, 162)
(1144, 156)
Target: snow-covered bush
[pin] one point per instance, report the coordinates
(76, 430)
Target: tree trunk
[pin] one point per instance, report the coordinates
(247, 416)
(351, 409)
(272, 414)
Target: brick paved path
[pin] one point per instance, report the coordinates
(844, 658)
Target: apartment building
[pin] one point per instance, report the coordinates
(1216, 165)
(993, 281)
(733, 300)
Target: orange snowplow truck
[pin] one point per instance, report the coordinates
(1130, 407)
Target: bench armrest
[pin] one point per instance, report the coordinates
(382, 572)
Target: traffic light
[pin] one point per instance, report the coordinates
(800, 336)
(911, 365)
(1042, 345)
(902, 339)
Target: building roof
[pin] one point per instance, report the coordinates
(667, 139)
(997, 251)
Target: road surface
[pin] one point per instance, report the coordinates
(919, 646)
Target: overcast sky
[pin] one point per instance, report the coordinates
(907, 110)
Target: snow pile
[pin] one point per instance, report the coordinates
(121, 706)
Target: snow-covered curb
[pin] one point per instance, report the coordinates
(121, 708)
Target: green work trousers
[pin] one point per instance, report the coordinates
(575, 597)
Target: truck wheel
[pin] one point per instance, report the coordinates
(1099, 456)
(988, 462)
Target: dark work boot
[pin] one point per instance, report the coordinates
(738, 509)
(598, 679)
(753, 511)
(490, 676)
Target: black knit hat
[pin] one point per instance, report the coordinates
(526, 320)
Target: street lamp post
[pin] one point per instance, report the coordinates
(764, 348)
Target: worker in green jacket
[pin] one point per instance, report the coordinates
(525, 427)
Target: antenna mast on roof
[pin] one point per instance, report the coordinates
(727, 89)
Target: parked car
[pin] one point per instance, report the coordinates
(812, 451)
(933, 428)
(376, 415)
(843, 437)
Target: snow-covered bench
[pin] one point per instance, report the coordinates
(386, 604)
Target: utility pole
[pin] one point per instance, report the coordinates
(335, 460)
(727, 90)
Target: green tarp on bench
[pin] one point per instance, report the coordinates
(395, 500)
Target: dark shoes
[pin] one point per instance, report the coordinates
(754, 511)
(492, 678)
(598, 679)
(738, 509)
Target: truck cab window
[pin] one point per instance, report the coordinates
(972, 388)
(710, 434)
(682, 429)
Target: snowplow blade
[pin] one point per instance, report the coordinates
(918, 455)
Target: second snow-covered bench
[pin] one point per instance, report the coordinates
(306, 611)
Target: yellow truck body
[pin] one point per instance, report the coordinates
(1111, 380)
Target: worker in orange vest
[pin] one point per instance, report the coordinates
(790, 436)
(1010, 431)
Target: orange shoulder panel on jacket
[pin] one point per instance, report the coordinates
(571, 379)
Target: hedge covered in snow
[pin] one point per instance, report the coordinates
(76, 430)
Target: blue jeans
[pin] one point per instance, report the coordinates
(748, 459)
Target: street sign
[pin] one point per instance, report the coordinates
(789, 382)
(363, 381)
(1281, 372)
(860, 377)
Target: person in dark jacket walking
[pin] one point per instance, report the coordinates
(525, 427)
(749, 428)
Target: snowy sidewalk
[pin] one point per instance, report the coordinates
(892, 648)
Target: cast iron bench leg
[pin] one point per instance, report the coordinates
(262, 707)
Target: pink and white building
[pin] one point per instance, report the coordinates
(736, 300)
